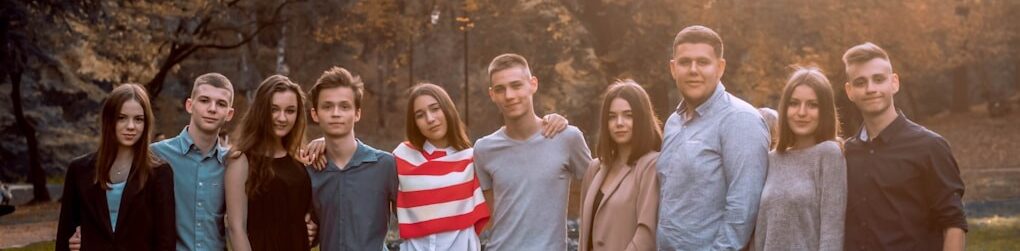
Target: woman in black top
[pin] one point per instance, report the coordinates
(120, 197)
(268, 192)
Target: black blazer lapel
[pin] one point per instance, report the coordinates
(95, 198)
(127, 199)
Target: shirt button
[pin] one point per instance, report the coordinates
(872, 151)
(199, 224)
(200, 184)
(200, 204)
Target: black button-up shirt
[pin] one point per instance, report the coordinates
(903, 189)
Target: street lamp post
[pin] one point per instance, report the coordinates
(433, 19)
(465, 26)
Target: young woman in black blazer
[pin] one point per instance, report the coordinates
(120, 197)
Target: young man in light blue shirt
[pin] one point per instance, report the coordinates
(198, 162)
(714, 153)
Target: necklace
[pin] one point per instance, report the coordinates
(118, 172)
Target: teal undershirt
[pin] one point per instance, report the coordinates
(113, 202)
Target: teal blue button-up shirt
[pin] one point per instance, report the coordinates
(198, 191)
(353, 204)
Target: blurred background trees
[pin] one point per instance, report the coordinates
(951, 55)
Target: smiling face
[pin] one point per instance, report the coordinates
(696, 70)
(430, 119)
(621, 121)
(130, 123)
(802, 112)
(210, 108)
(284, 111)
(512, 90)
(872, 86)
(336, 112)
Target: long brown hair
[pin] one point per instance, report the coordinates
(256, 131)
(456, 133)
(647, 132)
(143, 160)
(828, 124)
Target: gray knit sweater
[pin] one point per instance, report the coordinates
(803, 203)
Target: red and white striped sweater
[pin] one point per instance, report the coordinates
(438, 192)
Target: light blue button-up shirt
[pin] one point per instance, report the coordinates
(198, 191)
(711, 173)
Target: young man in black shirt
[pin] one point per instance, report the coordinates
(903, 185)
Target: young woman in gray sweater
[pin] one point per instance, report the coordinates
(803, 202)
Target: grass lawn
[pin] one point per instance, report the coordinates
(48, 245)
(40, 246)
(992, 233)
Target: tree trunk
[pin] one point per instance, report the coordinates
(1016, 74)
(961, 90)
(914, 113)
(36, 174)
(381, 66)
(281, 53)
(178, 53)
(155, 85)
(989, 92)
(13, 61)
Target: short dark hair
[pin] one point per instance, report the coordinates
(215, 80)
(337, 77)
(863, 53)
(507, 61)
(697, 34)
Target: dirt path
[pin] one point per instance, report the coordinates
(28, 233)
(29, 224)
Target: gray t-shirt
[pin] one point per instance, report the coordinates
(530, 179)
(804, 200)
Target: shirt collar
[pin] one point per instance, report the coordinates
(429, 148)
(886, 134)
(187, 143)
(708, 106)
(363, 154)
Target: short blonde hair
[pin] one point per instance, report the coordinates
(507, 61)
(863, 53)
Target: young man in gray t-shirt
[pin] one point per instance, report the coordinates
(529, 174)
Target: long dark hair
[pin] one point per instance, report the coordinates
(647, 132)
(456, 133)
(828, 120)
(143, 160)
(256, 131)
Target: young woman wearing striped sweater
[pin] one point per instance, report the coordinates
(440, 205)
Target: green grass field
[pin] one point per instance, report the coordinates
(992, 233)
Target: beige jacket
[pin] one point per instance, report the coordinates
(627, 215)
